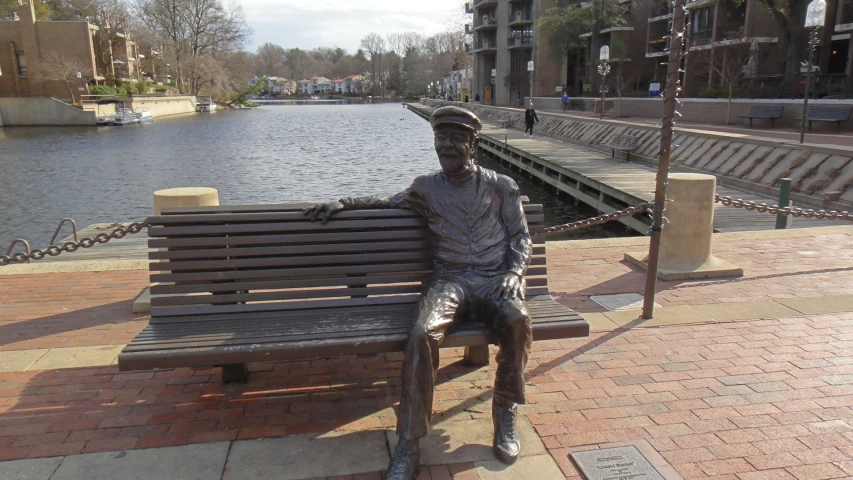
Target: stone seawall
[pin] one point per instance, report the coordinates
(821, 175)
(41, 111)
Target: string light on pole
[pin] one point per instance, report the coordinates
(603, 71)
(677, 51)
(815, 18)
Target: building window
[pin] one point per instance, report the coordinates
(21, 61)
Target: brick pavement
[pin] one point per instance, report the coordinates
(762, 398)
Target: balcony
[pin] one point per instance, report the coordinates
(520, 42)
(468, 48)
(469, 7)
(520, 18)
(469, 29)
(657, 48)
(485, 45)
(701, 39)
(485, 3)
(485, 22)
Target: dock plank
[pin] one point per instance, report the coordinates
(637, 180)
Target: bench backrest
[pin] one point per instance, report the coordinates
(825, 112)
(766, 111)
(625, 141)
(270, 258)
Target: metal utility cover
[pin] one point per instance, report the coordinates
(619, 463)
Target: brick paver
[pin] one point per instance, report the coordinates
(805, 436)
(77, 309)
(761, 398)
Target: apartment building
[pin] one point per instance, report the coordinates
(720, 31)
(34, 54)
(504, 42)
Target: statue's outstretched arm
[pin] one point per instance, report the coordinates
(405, 199)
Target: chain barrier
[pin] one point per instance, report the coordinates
(54, 250)
(599, 220)
(777, 210)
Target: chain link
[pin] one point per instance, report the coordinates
(599, 220)
(54, 250)
(777, 210)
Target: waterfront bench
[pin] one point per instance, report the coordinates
(769, 112)
(240, 284)
(624, 143)
(826, 113)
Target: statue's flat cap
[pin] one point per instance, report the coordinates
(455, 116)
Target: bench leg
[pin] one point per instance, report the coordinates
(750, 122)
(477, 356)
(235, 373)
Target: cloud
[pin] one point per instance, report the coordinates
(309, 24)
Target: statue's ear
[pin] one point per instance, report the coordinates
(476, 143)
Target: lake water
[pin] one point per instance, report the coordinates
(270, 154)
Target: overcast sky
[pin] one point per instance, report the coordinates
(309, 24)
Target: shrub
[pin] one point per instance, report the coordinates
(141, 87)
(102, 90)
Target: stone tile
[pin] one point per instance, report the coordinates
(663, 316)
(599, 323)
(187, 462)
(469, 441)
(818, 305)
(539, 467)
(77, 357)
(308, 456)
(746, 310)
(620, 301)
(36, 469)
(19, 360)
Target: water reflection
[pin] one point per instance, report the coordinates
(266, 155)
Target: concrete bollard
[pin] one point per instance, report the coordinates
(185, 197)
(685, 252)
(176, 197)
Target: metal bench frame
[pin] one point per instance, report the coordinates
(769, 112)
(842, 114)
(624, 143)
(240, 284)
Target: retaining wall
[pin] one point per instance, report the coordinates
(163, 106)
(821, 175)
(710, 110)
(41, 111)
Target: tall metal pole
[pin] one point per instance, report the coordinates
(813, 41)
(672, 87)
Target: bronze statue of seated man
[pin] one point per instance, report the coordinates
(481, 248)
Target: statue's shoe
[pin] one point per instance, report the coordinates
(404, 463)
(506, 443)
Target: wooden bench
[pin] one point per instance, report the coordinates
(770, 112)
(826, 113)
(623, 143)
(240, 284)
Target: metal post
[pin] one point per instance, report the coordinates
(784, 201)
(672, 87)
(813, 41)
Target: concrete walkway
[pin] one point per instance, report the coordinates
(737, 379)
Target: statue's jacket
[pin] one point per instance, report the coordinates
(489, 239)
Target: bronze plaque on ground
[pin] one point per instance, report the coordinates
(619, 463)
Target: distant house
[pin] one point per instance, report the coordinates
(320, 85)
(277, 85)
(354, 84)
(305, 87)
(338, 85)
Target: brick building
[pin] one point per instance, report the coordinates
(32, 51)
(503, 43)
(720, 31)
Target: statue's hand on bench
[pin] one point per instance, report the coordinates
(324, 209)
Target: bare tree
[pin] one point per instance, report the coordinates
(727, 65)
(374, 47)
(273, 58)
(60, 68)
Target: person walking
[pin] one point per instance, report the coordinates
(530, 119)
(466, 98)
(565, 101)
(477, 97)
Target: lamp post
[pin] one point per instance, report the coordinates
(530, 69)
(815, 17)
(603, 70)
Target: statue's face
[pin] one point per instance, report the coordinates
(455, 147)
